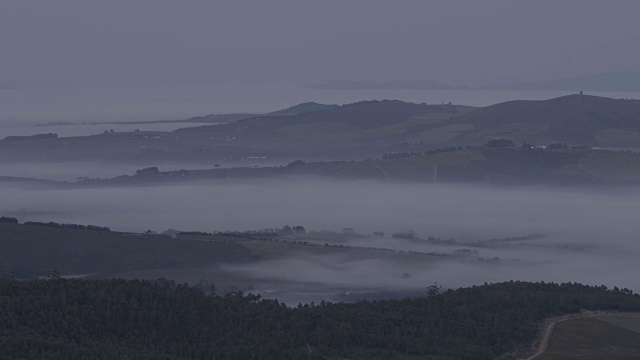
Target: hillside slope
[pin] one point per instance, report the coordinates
(575, 119)
(480, 165)
(354, 131)
(117, 319)
(30, 250)
(360, 115)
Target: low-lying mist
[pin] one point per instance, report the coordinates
(591, 237)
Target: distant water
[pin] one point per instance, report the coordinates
(21, 109)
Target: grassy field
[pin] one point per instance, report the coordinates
(629, 322)
(591, 339)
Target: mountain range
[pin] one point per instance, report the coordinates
(387, 129)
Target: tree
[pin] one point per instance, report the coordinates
(348, 232)
(299, 230)
(501, 143)
(558, 146)
(407, 234)
(148, 171)
(286, 231)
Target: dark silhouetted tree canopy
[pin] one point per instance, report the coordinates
(118, 319)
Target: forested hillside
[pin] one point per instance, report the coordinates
(118, 319)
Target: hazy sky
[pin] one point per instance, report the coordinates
(166, 42)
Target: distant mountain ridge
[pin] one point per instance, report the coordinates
(360, 115)
(303, 108)
(612, 81)
(292, 110)
(357, 131)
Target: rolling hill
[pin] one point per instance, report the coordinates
(574, 119)
(357, 116)
(303, 108)
(368, 129)
(479, 165)
(309, 131)
(30, 250)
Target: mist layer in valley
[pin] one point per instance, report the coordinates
(584, 236)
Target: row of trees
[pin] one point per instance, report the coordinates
(118, 319)
(12, 220)
(68, 226)
(404, 154)
(284, 231)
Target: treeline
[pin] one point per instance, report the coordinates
(405, 154)
(263, 233)
(12, 220)
(412, 235)
(68, 226)
(118, 319)
(31, 137)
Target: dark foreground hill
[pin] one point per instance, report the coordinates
(118, 319)
(32, 250)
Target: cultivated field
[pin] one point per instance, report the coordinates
(592, 338)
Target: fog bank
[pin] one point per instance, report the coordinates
(592, 237)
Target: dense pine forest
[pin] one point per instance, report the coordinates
(118, 319)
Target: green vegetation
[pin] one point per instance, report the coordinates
(591, 339)
(117, 319)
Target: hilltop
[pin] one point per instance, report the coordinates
(292, 110)
(310, 131)
(581, 120)
(303, 108)
(356, 116)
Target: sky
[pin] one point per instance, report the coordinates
(166, 42)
